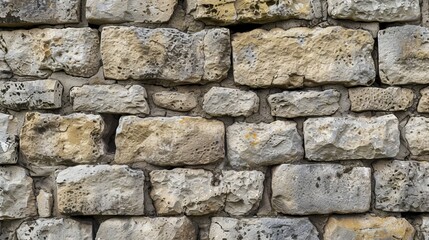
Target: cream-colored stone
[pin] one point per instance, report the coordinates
(175, 101)
(8, 141)
(423, 105)
(44, 203)
(54, 229)
(380, 99)
(416, 134)
(220, 101)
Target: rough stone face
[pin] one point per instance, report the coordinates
(402, 186)
(39, 94)
(29, 12)
(253, 145)
(321, 189)
(165, 55)
(159, 228)
(416, 133)
(49, 139)
(403, 55)
(332, 55)
(44, 203)
(375, 11)
(262, 228)
(380, 99)
(117, 99)
(100, 190)
(424, 227)
(116, 11)
(342, 138)
(193, 192)
(54, 228)
(219, 101)
(39, 52)
(8, 141)
(175, 101)
(368, 227)
(169, 141)
(424, 101)
(16, 196)
(304, 103)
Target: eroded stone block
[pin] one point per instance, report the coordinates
(380, 99)
(8, 141)
(219, 101)
(416, 133)
(423, 105)
(54, 228)
(175, 101)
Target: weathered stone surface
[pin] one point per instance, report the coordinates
(8, 141)
(262, 228)
(416, 134)
(116, 11)
(401, 186)
(375, 10)
(219, 101)
(49, 139)
(403, 55)
(100, 190)
(44, 203)
(55, 228)
(304, 103)
(368, 227)
(28, 12)
(321, 189)
(193, 192)
(175, 101)
(424, 227)
(332, 55)
(251, 145)
(165, 55)
(380, 99)
(169, 141)
(39, 94)
(423, 105)
(129, 99)
(342, 138)
(159, 228)
(39, 52)
(16, 196)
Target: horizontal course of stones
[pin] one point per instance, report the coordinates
(214, 119)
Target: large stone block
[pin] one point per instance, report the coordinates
(8, 141)
(165, 55)
(332, 55)
(380, 99)
(321, 189)
(342, 138)
(416, 134)
(54, 228)
(175, 101)
(100, 190)
(169, 141)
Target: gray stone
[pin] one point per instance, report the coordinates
(100, 190)
(424, 227)
(175, 101)
(290, 104)
(54, 229)
(321, 189)
(380, 99)
(219, 101)
(416, 134)
(44, 203)
(423, 105)
(8, 141)
(343, 138)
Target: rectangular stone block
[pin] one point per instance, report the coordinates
(320, 189)
(380, 99)
(303, 57)
(8, 141)
(169, 141)
(344, 138)
(416, 134)
(100, 190)
(175, 101)
(165, 55)
(54, 228)
(423, 105)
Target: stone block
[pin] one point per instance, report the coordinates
(219, 101)
(380, 99)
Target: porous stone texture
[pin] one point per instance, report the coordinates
(199, 192)
(44, 203)
(342, 138)
(375, 11)
(416, 133)
(117, 11)
(252, 145)
(332, 55)
(320, 189)
(220, 101)
(165, 55)
(380, 99)
(292, 104)
(175, 101)
(8, 141)
(55, 228)
(424, 227)
(159, 228)
(117, 99)
(403, 55)
(368, 227)
(169, 141)
(100, 190)
(39, 94)
(423, 105)
(50, 139)
(39, 52)
(262, 228)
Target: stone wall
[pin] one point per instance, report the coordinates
(214, 119)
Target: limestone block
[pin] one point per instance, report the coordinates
(44, 203)
(175, 101)
(169, 141)
(416, 131)
(424, 227)
(165, 55)
(332, 55)
(117, 99)
(54, 229)
(8, 141)
(290, 104)
(321, 189)
(380, 99)
(423, 105)
(219, 101)
(100, 190)
(342, 138)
